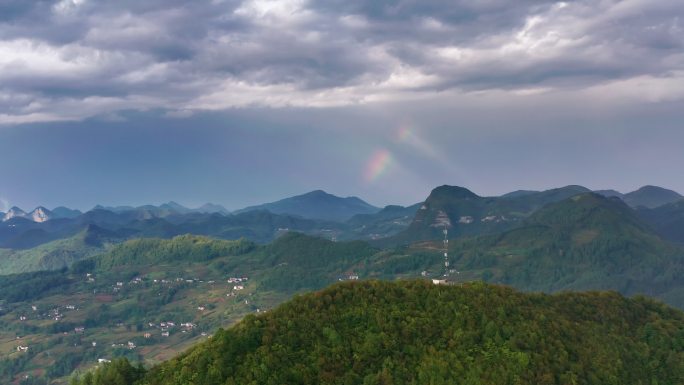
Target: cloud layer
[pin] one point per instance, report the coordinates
(73, 59)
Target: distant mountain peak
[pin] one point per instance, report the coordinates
(317, 204)
(211, 208)
(651, 196)
(610, 193)
(452, 192)
(587, 210)
(40, 214)
(317, 192)
(14, 212)
(175, 205)
(65, 212)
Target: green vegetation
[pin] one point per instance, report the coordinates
(468, 214)
(586, 242)
(50, 256)
(117, 372)
(145, 252)
(116, 296)
(29, 286)
(301, 262)
(667, 220)
(418, 333)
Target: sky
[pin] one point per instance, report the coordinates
(242, 102)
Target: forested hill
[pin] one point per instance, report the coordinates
(413, 332)
(149, 251)
(587, 242)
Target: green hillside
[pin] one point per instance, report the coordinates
(57, 254)
(125, 294)
(191, 248)
(667, 220)
(468, 214)
(385, 223)
(585, 242)
(418, 333)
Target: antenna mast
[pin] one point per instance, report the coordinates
(446, 251)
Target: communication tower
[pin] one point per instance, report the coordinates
(446, 251)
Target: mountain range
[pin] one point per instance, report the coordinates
(105, 263)
(50, 239)
(647, 196)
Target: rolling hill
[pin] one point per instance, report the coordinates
(26, 245)
(584, 242)
(54, 255)
(389, 221)
(126, 293)
(418, 333)
(196, 283)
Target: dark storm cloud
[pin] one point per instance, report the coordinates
(71, 59)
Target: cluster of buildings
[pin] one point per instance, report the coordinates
(130, 345)
(349, 277)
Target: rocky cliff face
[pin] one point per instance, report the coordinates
(40, 214)
(14, 212)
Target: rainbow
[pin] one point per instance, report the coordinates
(404, 134)
(377, 165)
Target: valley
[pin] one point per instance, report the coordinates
(113, 293)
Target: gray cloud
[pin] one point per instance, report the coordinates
(71, 59)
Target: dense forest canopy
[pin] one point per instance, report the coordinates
(413, 332)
